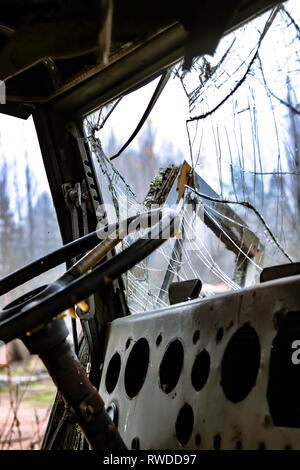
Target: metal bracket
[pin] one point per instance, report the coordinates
(277, 272)
(184, 290)
(89, 314)
(75, 198)
(53, 72)
(76, 201)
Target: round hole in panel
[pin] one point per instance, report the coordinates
(196, 336)
(158, 339)
(171, 366)
(184, 424)
(198, 439)
(238, 445)
(113, 372)
(219, 334)
(200, 370)
(135, 443)
(136, 367)
(240, 364)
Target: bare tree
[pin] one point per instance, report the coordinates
(29, 180)
(7, 224)
(293, 152)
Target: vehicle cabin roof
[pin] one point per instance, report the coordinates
(69, 52)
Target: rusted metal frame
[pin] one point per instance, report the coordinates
(132, 69)
(136, 67)
(93, 323)
(60, 170)
(169, 46)
(75, 200)
(96, 198)
(53, 72)
(48, 62)
(60, 148)
(76, 91)
(47, 124)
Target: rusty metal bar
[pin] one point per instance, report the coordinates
(71, 380)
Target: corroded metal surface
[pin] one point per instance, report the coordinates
(195, 376)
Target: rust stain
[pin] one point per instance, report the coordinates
(185, 178)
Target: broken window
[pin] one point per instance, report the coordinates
(237, 130)
(244, 126)
(28, 224)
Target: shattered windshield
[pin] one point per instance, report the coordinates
(222, 138)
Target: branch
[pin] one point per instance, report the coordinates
(285, 103)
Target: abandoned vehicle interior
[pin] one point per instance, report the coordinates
(165, 304)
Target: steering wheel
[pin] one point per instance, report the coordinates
(42, 304)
